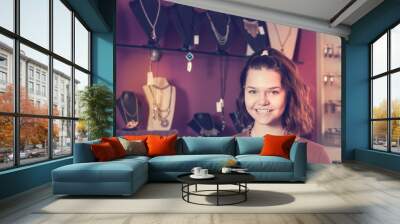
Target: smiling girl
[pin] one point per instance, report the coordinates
(273, 100)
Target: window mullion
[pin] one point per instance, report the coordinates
(389, 106)
(73, 82)
(16, 84)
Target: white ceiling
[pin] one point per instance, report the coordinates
(314, 15)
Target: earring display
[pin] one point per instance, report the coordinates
(189, 57)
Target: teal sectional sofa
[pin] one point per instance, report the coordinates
(125, 176)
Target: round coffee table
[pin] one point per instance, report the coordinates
(238, 179)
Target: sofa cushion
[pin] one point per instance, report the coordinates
(133, 147)
(185, 163)
(275, 145)
(103, 151)
(208, 145)
(249, 145)
(161, 145)
(257, 163)
(111, 171)
(116, 145)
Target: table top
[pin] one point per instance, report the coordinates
(220, 178)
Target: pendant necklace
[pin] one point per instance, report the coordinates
(157, 110)
(221, 39)
(127, 113)
(152, 25)
(282, 43)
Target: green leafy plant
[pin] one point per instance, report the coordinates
(96, 102)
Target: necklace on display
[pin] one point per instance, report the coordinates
(222, 39)
(157, 110)
(282, 43)
(152, 25)
(130, 122)
(251, 27)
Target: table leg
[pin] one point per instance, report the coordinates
(217, 194)
(196, 188)
(245, 191)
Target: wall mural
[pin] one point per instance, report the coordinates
(203, 73)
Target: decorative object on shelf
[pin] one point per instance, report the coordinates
(333, 106)
(204, 125)
(220, 103)
(254, 32)
(96, 102)
(189, 57)
(283, 38)
(152, 18)
(222, 39)
(331, 79)
(128, 107)
(161, 99)
(330, 52)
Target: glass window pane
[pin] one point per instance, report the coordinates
(81, 131)
(6, 142)
(7, 14)
(6, 74)
(379, 55)
(379, 97)
(33, 139)
(395, 47)
(35, 21)
(81, 45)
(379, 135)
(81, 81)
(395, 136)
(395, 94)
(62, 89)
(62, 28)
(62, 138)
(34, 97)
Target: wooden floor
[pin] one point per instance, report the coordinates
(378, 188)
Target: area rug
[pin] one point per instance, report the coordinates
(167, 198)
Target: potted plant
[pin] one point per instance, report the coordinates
(96, 102)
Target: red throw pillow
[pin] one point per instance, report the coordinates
(116, 145)
(277, 145)
(103, 151)
(161, 145)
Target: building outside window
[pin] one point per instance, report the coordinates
(385, 97)
(58, 134)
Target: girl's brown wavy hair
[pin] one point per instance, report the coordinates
(297, 117)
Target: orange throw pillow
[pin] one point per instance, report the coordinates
(135, 137)
(277, 145)
(103, 152)
(161, 145)
(116, 145)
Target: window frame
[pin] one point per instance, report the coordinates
(16, 114)
(388, 74)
